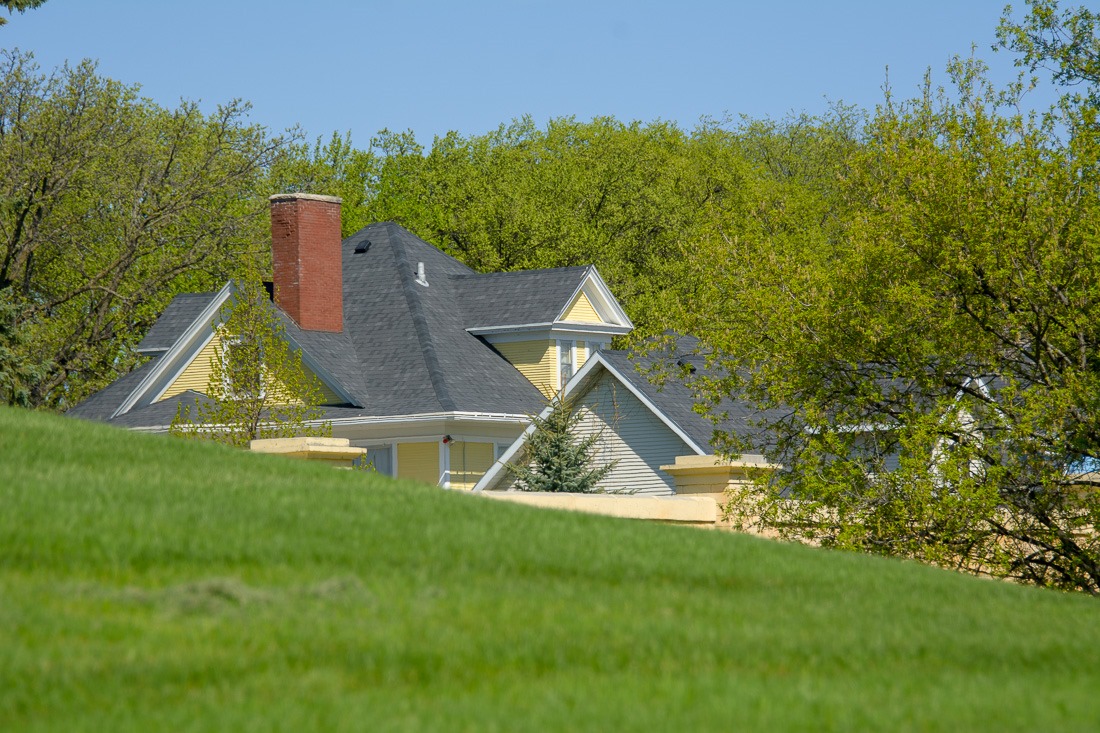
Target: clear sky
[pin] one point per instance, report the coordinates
(469, 66)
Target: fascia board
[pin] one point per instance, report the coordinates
(580, 378)
(604, 298)
(504, 418)
(577, 384)
(528, 329)
(649, 404)
(425, 417)
(204, 320)
(513, 449)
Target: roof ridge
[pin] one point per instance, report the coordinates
(420, 323)
(537, 271)
(395, 230)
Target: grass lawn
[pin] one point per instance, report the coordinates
(152, 584)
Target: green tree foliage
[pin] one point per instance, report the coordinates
(258, 386)
(335, 167)
(626, 197)
(1065, 43)
(110, 205)
(947, 323)
(557, 459)
(21, 5)
(17, 372)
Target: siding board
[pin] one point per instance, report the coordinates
(631, 434)
(581, 311)
(196, 376)
(418, 461)
(469, 462)
(536, 360)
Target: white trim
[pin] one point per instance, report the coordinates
(505, 418)
(371, 420)
(645, 401)
(601, 298)
(205, 319)
(579, 378)
(603, 329)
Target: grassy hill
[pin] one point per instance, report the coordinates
(154, 584)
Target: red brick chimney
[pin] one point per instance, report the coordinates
(305, 253)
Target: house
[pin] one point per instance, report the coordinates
(432, 367)
(659, 443)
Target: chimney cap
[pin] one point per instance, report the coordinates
(307, 196)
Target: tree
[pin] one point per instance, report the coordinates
(258, 386)
(933, 356)
(16, 371)
(21, 5)
(1067, 43)
(109, 206)
(625, 196)
(557, 459)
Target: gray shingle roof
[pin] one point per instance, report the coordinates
(102, 404)
(514, 298)
(160, 413)
(180, 313)
(410, 340)
(405, 348)
(674, 396)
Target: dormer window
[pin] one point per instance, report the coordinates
(567, 360)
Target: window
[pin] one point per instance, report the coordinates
(381, 457)
(242, 369)
(565, 352)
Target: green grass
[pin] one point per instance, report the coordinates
(152, 584)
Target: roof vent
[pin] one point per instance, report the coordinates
(684, 363)
(362, 247)
(421, 279)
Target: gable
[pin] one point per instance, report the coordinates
(630, 435)
(581, 311)
(196, 376)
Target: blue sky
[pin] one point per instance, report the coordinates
(469, 66)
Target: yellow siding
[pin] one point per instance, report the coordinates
(418, 461)
(536, 360)
(329, 397)
(196, 375)
(469, 462)
(582, 354)
(582, 311)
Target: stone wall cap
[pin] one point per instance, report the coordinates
(280, 445)
(688, 509)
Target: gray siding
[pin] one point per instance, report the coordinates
(633, 435)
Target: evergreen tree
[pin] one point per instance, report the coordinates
(558, 459)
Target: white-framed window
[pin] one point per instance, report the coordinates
(567, 358)
(242, 368)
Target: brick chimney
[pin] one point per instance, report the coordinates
(305, 253)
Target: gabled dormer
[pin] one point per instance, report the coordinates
(546, 323)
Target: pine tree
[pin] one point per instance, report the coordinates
(559, 460)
